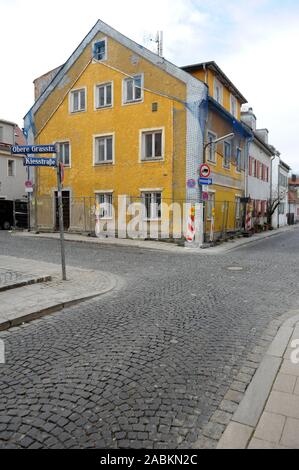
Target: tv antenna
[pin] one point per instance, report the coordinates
(158, 40)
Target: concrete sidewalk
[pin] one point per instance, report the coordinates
(268, 416)
(162, 246)
(23, 303)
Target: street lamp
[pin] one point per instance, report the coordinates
(217, 141)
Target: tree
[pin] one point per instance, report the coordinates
(274, 203)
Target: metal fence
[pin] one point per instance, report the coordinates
(165, 221)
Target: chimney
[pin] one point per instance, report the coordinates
(263, 134)
(249, 118)
(294, 178)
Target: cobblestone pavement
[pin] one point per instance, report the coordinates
(147, 365)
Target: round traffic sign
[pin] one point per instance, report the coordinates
(205, 171)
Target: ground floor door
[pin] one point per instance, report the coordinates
(66, 210)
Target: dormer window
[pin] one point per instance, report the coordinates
(100, 50)
(218, 91)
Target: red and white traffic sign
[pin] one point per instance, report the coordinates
(205, 171)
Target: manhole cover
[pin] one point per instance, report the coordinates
(235, 268)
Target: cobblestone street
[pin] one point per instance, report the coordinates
(146, 365)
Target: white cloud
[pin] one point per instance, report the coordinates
(254, 42)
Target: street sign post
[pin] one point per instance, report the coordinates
(205, 171)
(205, 181)
(39, 161)
(30, 161)
(32, 149)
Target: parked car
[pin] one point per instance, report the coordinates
(7, 219)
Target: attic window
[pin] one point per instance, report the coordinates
(100, 50)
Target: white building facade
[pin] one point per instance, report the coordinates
(279, 189)
(12, 172)
(260, 156)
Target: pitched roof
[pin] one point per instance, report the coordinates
(101, 27)
(220, 74)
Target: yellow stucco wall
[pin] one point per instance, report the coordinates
(127, 175)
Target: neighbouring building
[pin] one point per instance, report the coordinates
(12, 171)
(293, 210)
(259, 169)
(127, 122)
(279, 190)
(227, 159)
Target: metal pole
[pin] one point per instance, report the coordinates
(60, 210)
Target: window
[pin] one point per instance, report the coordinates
(100, 50)
(238, 159)
(212, 148)
(64, 153)
(1, 134)
(133, 89)
(233, 106)
(11, 168)
(152, 145)
(210, 205)
(227, 154)
(238, 208)
(105, 201)
(218, 91)
(152, 205)
(103, 149)
(103, 95)
(78, 100)
(281, 208)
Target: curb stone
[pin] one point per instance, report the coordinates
(237, 393)
(242, 426)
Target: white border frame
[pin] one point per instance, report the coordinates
(128, 103)
(151, 130)
(94, 60)
(94, 137)
(110, 82)
(227, 168)
(15, 167)
(216, 154)
(65, 141)
(108, 191)
(72, 113)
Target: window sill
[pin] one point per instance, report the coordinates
(210, 162)
(103, 164)
(100, 108)
(152, 160)
(78, 112)
(152, 220)
(128, 103)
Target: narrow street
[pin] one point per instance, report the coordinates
(146, 365)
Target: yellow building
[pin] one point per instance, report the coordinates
(228, 158)
(126, 122)
(129, 123)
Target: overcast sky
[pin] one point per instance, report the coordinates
(255, 42)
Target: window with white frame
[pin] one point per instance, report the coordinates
(281, 208)
(64, 153)
(100, 50)
(78, 100)
(152, 205)
(218, 91)
(238, 208)
(103, 149)
(152, 145)
(227, 154)
(211, 155)
(133, 89)
(104, 95)
(238, 159)
(105, 201)
(210, 205)
(233, 106)
(11, 168)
